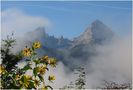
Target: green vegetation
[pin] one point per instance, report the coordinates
(13, 77)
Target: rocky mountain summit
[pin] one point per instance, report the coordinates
(81, 48)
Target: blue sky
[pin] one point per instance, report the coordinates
(70, 19)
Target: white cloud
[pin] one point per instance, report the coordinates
(113, 63)
(17, 21)
(63, 76)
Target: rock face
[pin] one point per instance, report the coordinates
(97, 32)
(81, 48)
(100, 32)
(39, 34)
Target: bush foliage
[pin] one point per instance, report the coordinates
(13, 77)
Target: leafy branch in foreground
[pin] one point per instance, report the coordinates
(18, 78)
(9, 60)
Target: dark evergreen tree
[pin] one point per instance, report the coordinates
(9, 60)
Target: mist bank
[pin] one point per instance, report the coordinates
(112, 63)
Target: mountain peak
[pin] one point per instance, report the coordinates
(98, 23)
(40, 30)
(97, 32)
(100, 31)
(38, 34)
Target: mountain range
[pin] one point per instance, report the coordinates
(78, 50)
